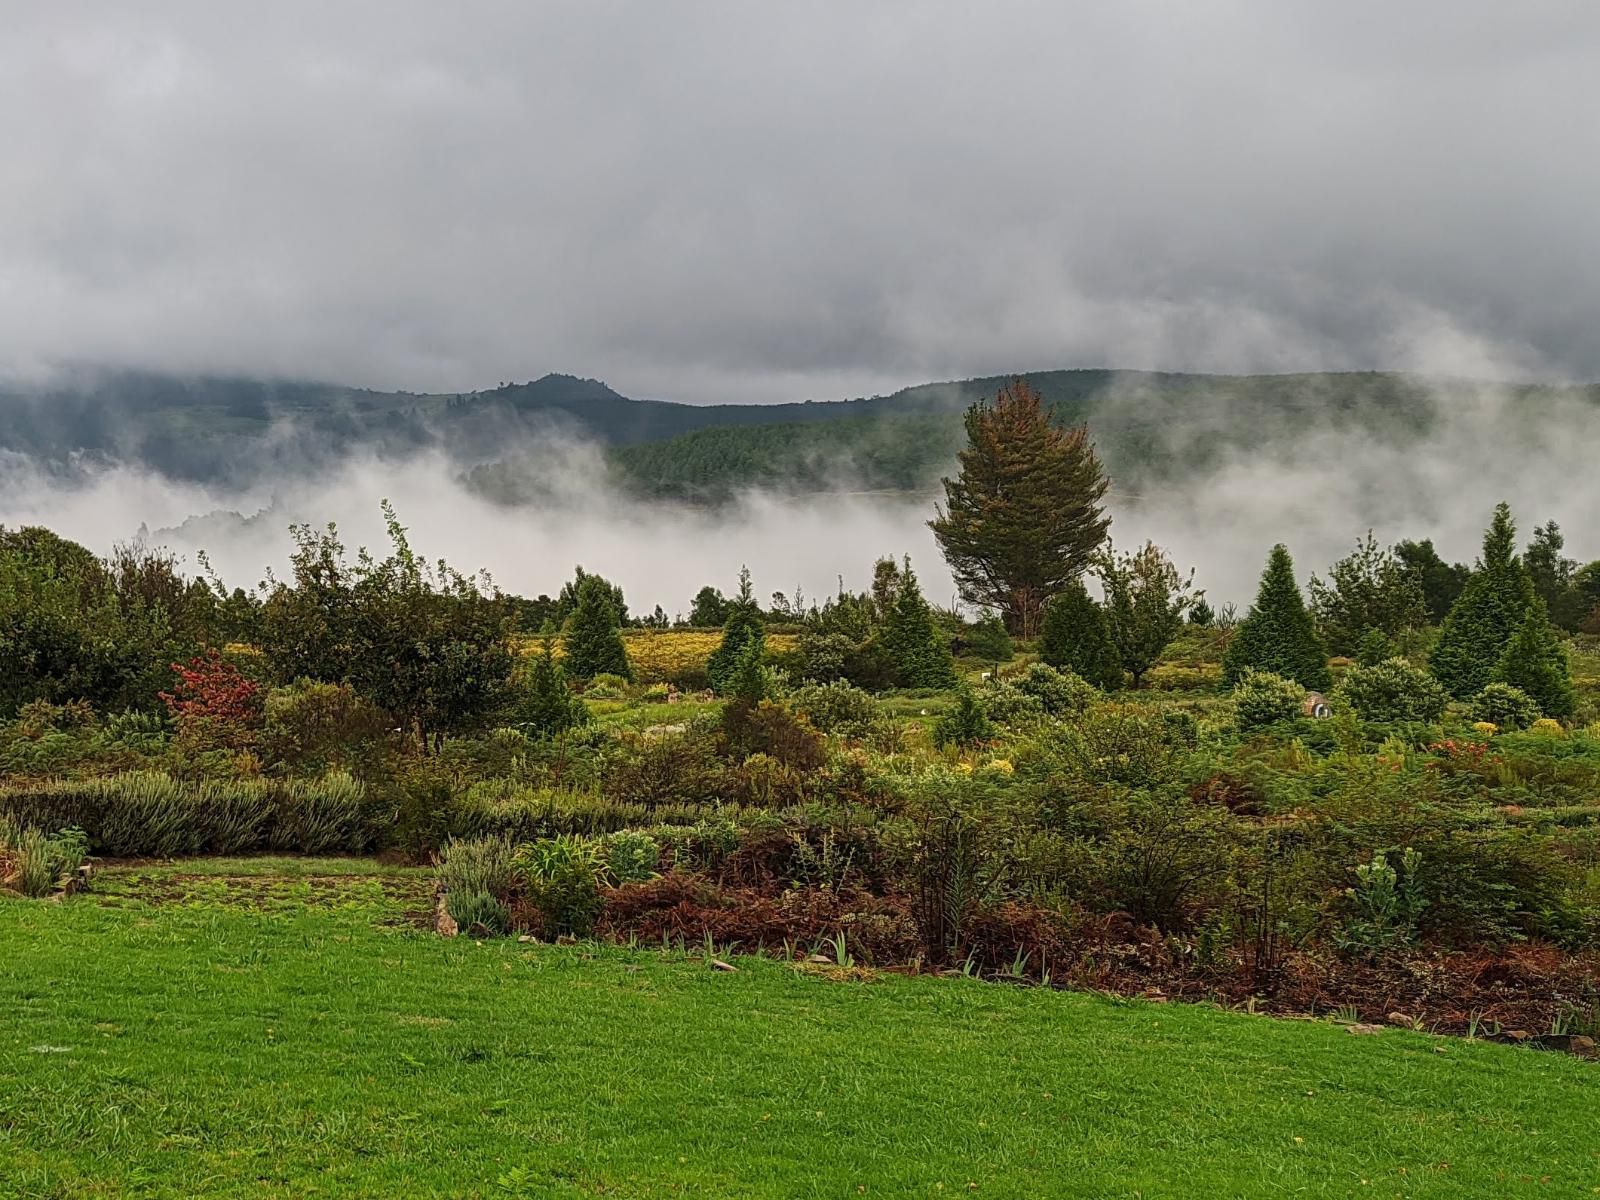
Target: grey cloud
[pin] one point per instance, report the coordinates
(727, 202)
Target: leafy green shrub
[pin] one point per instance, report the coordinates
(561, 876)
(631, 856)
(315, 726)
(1076, 637)
(1261, 698)
(1385, 905)
(1505, 706)
(988, 640)
(837, 707)
(1393, 690)
(1011, 706)
(606, 686)
(965, 725)
(1059, 693)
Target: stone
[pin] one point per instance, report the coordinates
(718, 965)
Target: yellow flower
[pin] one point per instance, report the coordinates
(1486, 727)
(1548, 727)
(1003, 765)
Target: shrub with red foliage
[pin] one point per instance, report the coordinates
(688, 908)
(213, 705)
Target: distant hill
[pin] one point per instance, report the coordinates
(1149, 426)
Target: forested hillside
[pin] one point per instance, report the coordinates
(1150, 427)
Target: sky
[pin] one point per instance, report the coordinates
(738, 202)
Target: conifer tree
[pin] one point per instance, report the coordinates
(1485, 616)
(1374, 648)
(593, 641)
(742, 629)
(547, 705)
(1077, 637)
(1535, 660)
(920, 654)
(1146, 599)
(1024, 516)
(1278, 635)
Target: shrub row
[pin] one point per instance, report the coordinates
(152, 814)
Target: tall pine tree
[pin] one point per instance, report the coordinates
(1486, 615)
(742, 629)
(1535, 660)
(593, 641)
(1024, 516)
(1077, 637)
(547, 705)
(919, 652)
(1278, 635)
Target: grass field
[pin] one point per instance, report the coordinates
(278, 1028)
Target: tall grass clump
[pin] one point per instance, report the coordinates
(476, 875)
(36, 864)
(319, 816)
(146, 814)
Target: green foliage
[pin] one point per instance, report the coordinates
(150, 814)
(426, 644)
(1371, 589)
(561, 876)
(1202, 615)
(1385, 905)
(988, 640)
(1441, 582)
(1077, 637)
(593, 641)
(1535, 662)
(477, 875)
(1024, 516)
(1509, 708)
(965, 725)
(742, 630)
(632, 856)
(919, 652)
(1393, 690)
(1162, 854)
(566, 602)
(74, 627)
(1485, 616)
(1146, 600)
(837, 708)
(1278, 635)
(1554, 577)
(1261, 698)
(546, 706)
(1058, 693)
(710, 608)
(312, 725)
(1375, 647)
(37, 864)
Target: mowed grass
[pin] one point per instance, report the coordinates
(261, 1028)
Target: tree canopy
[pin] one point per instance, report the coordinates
(1024, 515)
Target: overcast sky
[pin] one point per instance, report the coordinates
(761, 201)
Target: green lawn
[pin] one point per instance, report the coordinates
(275, 1031)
